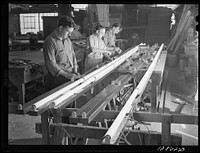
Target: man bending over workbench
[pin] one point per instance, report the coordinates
(59, 55)
(110, 37)
(98, 48)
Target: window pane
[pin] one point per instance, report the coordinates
(28, 19)
(79, 6)
(32, 22)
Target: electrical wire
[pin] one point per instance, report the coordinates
(147, 130)
(124, 136)
(139, 137)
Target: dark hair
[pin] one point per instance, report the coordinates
(99, 27)
(117, 25)
(66, 21)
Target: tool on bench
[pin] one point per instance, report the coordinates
(35, 68)
(19, 62)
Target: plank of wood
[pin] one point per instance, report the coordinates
(28, 106)
(166, 130)
(45, 128)
(163, 92)
(35, 57)
(161, 63)
(180, 25)
(183, 34)
(153, 94)
(100, 101)
(116, 127)
(175, 118)
(98, 133)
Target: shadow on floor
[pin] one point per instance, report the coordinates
(32, 141)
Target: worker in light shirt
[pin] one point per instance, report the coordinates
(110, 37)
(59, 55)
(98, 48)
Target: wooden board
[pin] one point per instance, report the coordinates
(98, 133)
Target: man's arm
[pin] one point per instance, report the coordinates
(49, 57)
(74, 60)
(95, 49)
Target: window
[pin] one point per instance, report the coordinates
(32, 22)
(29, 22)
(78, 7)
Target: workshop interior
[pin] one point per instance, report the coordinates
(141, 90)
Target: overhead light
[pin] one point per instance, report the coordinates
(30, 6)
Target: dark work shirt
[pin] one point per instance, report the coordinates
(110, 38)
(59, 54)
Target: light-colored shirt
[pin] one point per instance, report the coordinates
(58, 54)
(110, 38)
(96, 42)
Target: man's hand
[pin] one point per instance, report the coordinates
(75, 69)
(109, 53)
(107, 57)
(118, 50)
(70, 76)
(75, 77)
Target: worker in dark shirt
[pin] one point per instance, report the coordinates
(59, 55)
(76, 34)
(110, 37)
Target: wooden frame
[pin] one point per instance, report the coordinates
(135, 137)
(165, 119)
(100, 115)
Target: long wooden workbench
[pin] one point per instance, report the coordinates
(25, 44)
(93, 119)
(21, 66)
(105, 96)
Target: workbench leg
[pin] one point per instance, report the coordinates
(153, 95)
(157, 96)
(109, 106)
(59, 137)
(21, 89)
(45, 128)
(113, 104)
(105, 120)
(74, 104)
(166, 130)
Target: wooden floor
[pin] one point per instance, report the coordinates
(21, 128)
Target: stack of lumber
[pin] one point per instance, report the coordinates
(181, 31)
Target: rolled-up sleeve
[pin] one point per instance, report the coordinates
(91, 41)
(49, 58)
(106, 38)
(74, 56)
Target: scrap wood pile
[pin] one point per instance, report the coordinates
(180, 33)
